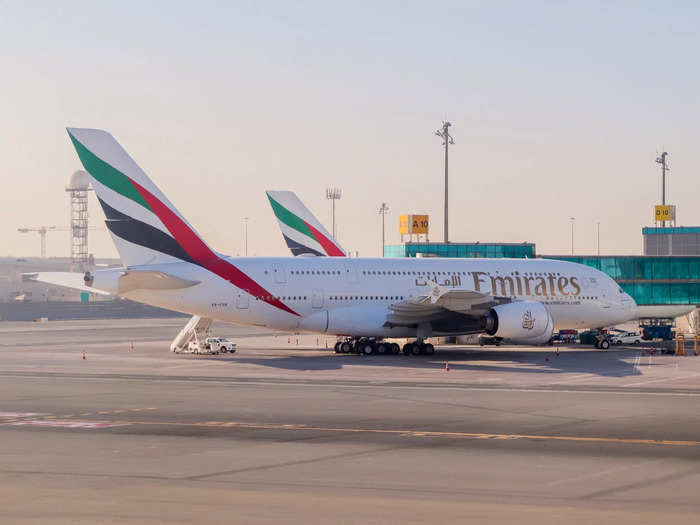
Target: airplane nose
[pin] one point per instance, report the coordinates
(629, 304)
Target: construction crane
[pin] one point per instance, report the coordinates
(43, 230)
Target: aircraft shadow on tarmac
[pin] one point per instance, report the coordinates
(595, 362)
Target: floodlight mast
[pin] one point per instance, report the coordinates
(664, 168)
(444, 133)
(334, 194)
(383, 211)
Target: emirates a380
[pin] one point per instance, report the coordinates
(364, 301)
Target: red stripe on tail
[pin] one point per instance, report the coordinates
(203, 255)
(328, 245)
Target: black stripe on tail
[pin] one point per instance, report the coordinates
(142, 234)
(300, 249)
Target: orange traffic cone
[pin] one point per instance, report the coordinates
(447, 366)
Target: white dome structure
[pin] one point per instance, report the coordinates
(79, 181)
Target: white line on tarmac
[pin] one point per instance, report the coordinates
(572, 379)
(604, 472)
(661, 380)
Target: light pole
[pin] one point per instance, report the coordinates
(444, 133)
(572, 219)
(664, 168)
(245, 235)
(383, 211)
(334, 194)
(598, 225)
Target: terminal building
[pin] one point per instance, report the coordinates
(668, 273)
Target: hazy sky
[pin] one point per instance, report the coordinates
(559, 109)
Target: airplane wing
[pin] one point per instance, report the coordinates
(73, 280)
(131, 279)
(449, 308)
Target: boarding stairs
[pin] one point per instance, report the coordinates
(196, 329)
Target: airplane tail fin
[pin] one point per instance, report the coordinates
(145, 226)
(302, 232)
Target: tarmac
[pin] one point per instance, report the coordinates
(287, 431)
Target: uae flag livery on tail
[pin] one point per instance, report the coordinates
(302, 232)
(146, 228)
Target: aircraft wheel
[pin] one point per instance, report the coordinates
(345, 348)
(382, 348)
(416, 349)
(408, 348)
(604, 344)
(429, 349)
(395, 348)
(336, 347)
(367, 348)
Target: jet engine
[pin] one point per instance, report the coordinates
(521, 321)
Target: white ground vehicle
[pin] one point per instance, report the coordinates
(219, 345)
(626, 338)
(211, 345)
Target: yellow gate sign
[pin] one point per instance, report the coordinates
(419, 224)
(413, 224)
(664, 212)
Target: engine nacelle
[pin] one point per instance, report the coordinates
(104, 280)
(522, 321)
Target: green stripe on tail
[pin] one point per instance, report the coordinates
(108, 175)
(288, 218)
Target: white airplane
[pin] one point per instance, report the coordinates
(363, 300)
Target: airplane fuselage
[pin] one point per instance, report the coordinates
(351, 296)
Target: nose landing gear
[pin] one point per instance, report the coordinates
(602, 342)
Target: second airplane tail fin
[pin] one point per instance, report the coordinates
(302, 232)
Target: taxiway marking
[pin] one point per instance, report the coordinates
(339, 430)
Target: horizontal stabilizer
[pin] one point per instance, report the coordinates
(73, 280)
(151, 280)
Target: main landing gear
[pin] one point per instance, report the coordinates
(370, 346)
(418, 347)
(365, 346)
